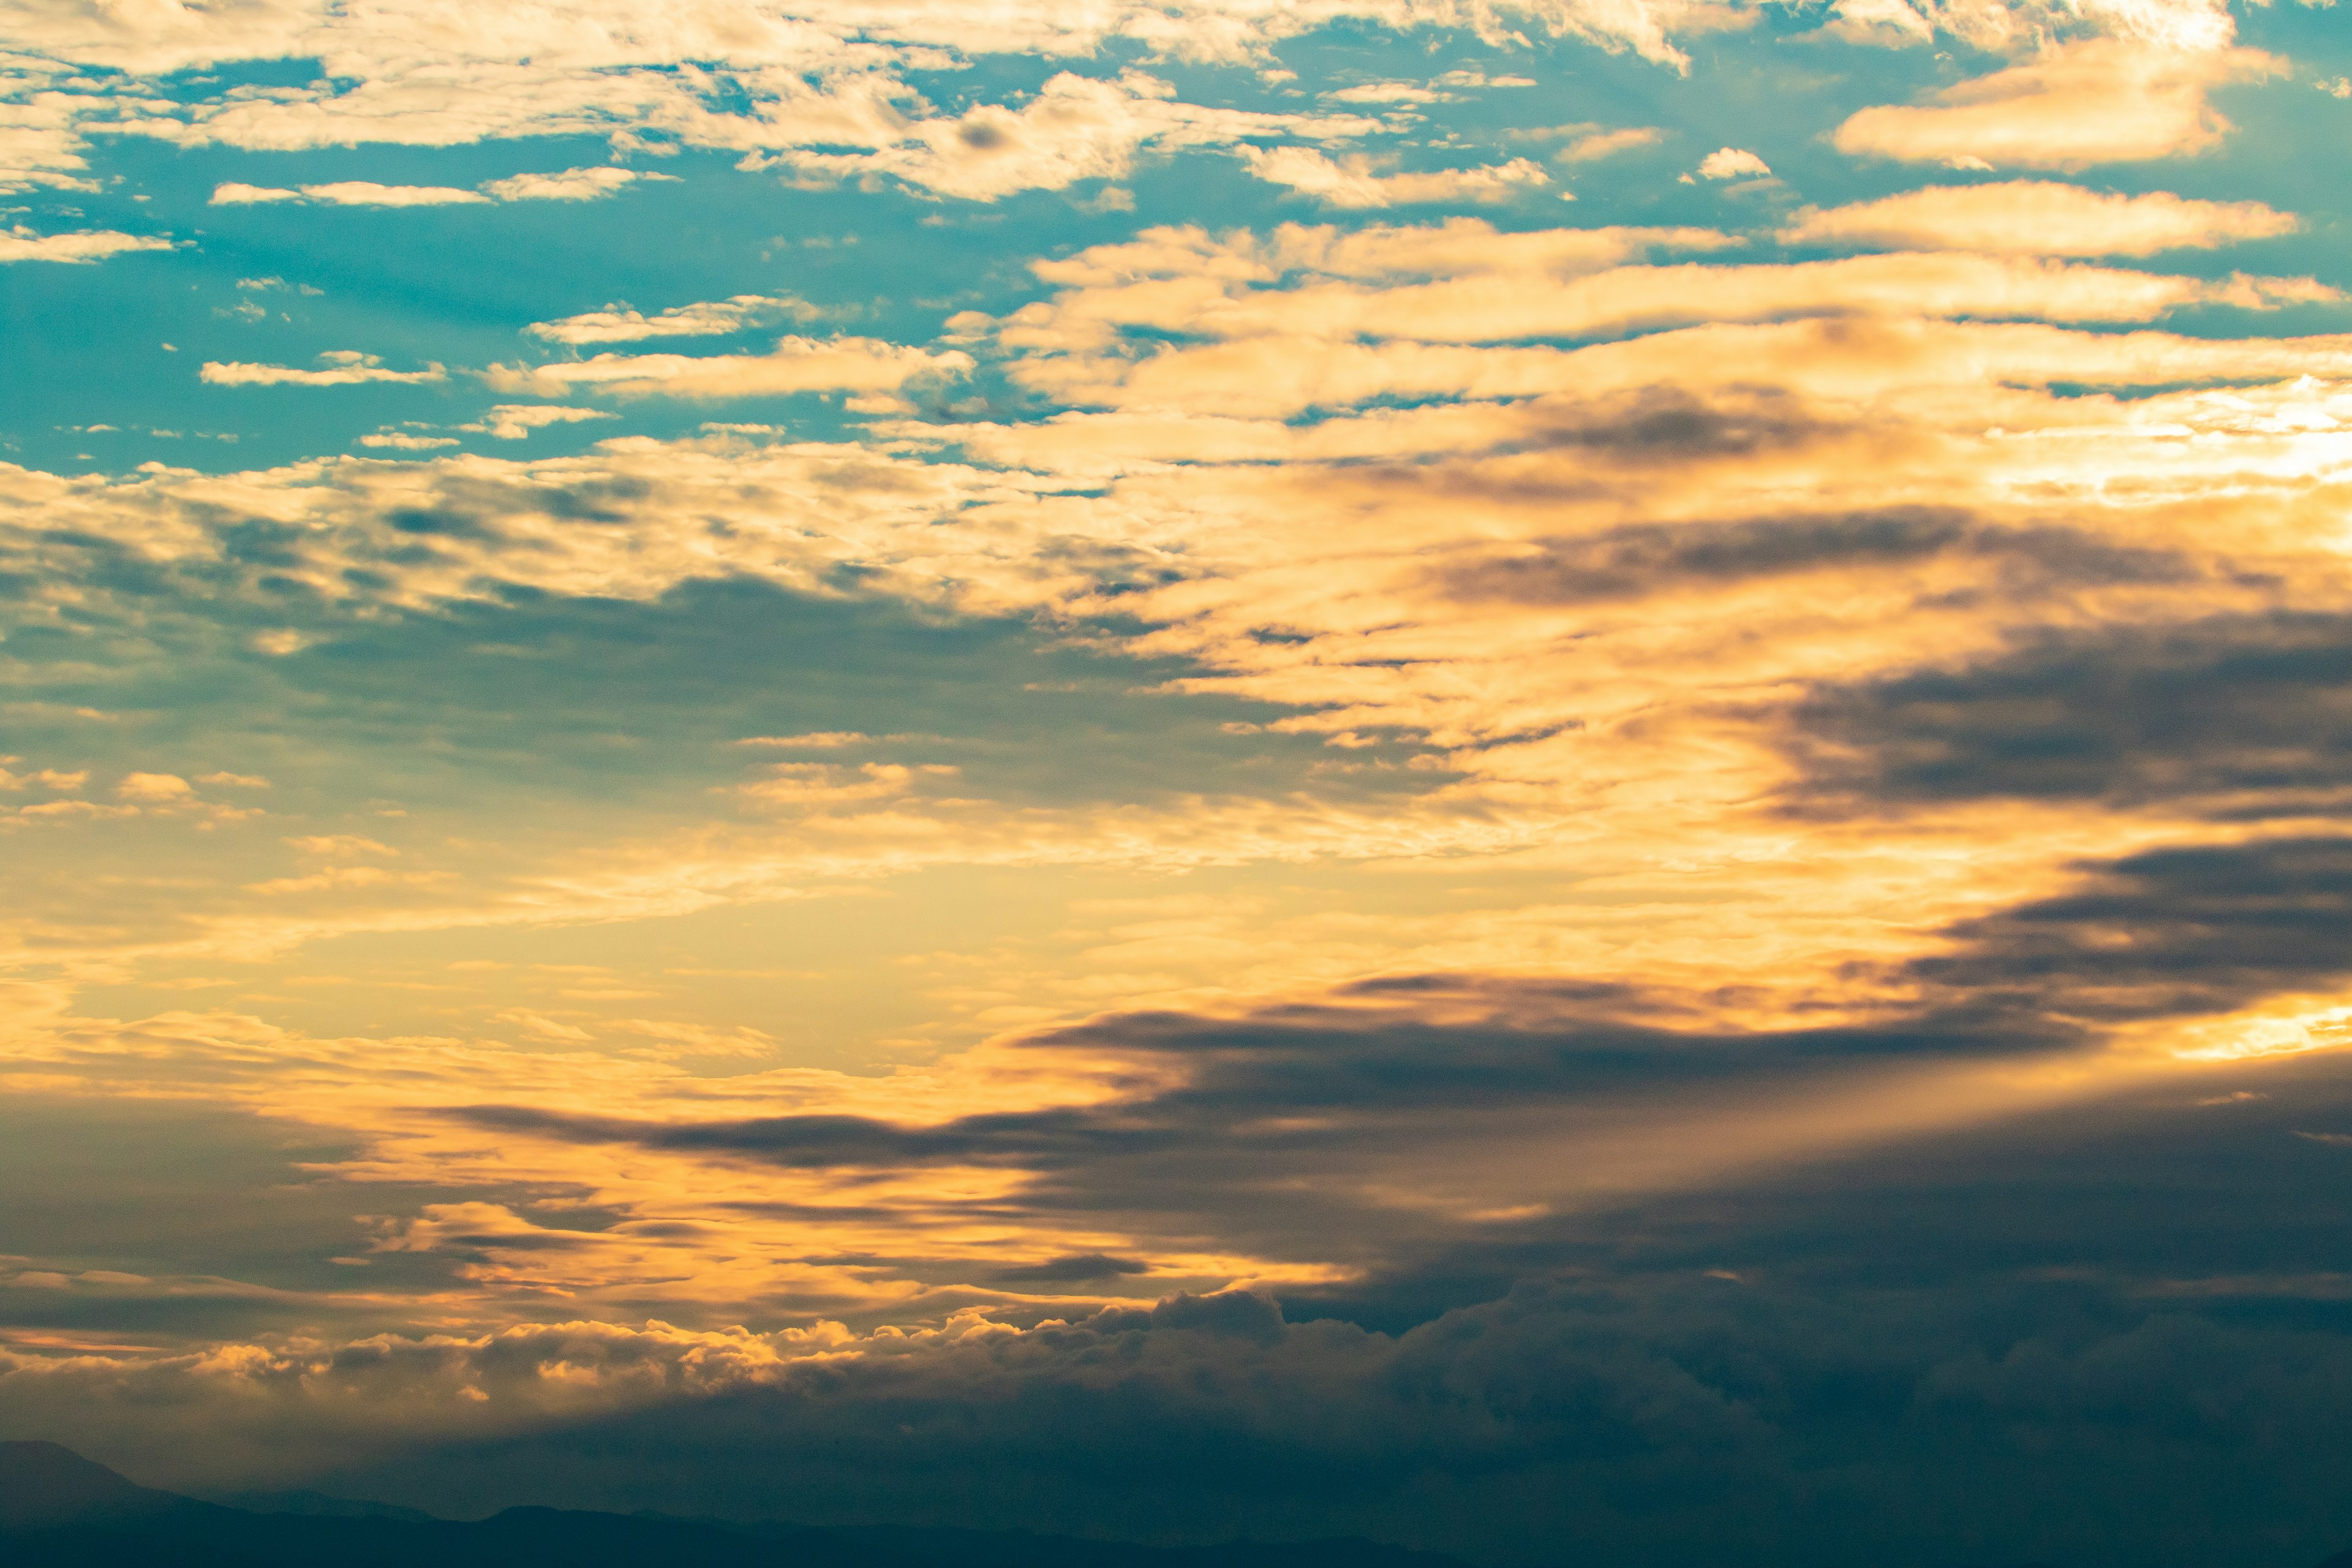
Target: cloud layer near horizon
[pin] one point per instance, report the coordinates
(1069, 762)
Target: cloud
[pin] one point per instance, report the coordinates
(2038, 218)
(21, 244)
(514, 421)
(343, 367)
(155, 789)
(569, 185)
(2069, 108)
(406, 441)
(1594, 145)
(2238, 717)
(367, 193)
(1075, 128)
(796, 364)
(2181, 25)
(233, 192)
(1356, 182)
(1732, 163)
(618, 324)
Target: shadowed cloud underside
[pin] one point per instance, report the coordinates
(1552, 780)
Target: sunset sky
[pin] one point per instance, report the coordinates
(1566, 780)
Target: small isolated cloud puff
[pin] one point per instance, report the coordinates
(21, 244)
(2039, 217)
(513, 421)
(1732, 163)
(618, 324)
(2099, 102)
(796, 364)
(155, 789)
(342, 367)
(1352, 183)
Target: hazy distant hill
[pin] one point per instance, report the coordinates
(59, 1508)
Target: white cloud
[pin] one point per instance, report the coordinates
(2098, 101)
(513, 421)
(21, 244)
(403, 441)
(341, 367)
(570, 186)
(1593, 146)
(2010, 25)
(1355, 181)
(1732, 163)
(1076, 128)
(233, 193)
(618, 324)
(367, 193)
(796, 364)
(2038, 218)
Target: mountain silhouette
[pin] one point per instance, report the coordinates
(43, 1486)
(58, 1510)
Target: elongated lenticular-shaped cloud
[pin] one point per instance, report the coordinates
(2039, 217)
(795, 364)
(569, 185)
(236, 194)
(22, 244)
(367, 193)
(341, 367)
(2097, 102)
(619, 323)
(1357, 182)
(1594, 145)
(1502, 308)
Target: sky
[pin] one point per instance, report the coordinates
(1566, 780)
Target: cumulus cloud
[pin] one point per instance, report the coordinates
(2038, 218)
(22, 244)
(1732, 164)
(2070, 108)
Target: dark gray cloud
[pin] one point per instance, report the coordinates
(1648, 558)
(2191, 929)
(2241, 715)
(2129, 1321)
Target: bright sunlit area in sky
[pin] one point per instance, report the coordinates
(1562, 781)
